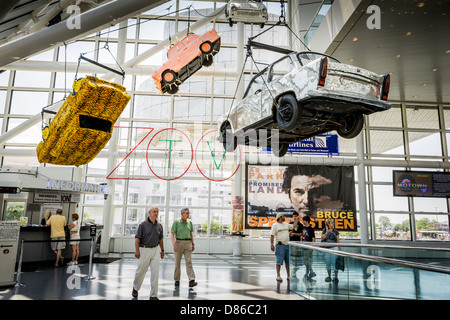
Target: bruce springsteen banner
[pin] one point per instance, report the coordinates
(321, 192)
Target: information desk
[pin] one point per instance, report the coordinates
(35, 252)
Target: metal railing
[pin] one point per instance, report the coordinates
(23, 241)
(369, 271)
(322, 247)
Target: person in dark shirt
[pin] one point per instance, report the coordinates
(149, 249)
(309, 236)
(296, 233)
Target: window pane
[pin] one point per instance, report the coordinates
(192, 108)
(430, 204)
(32, 79)
(386, 142)
(152, 107)
(422, 117)
(383, 174)
(388, 118)
(93, 214)
(433, 227)
(2, 101)
(32, 135)
(29, 103)
(425, 144)
(392, 227)
(385, 201)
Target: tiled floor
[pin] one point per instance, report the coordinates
(219, 277)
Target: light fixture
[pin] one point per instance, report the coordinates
(421, 4)
(408, 33)
(398, 56)
(435, 69)
(355, 39)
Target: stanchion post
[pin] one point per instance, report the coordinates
(89, 276)
(19, 267)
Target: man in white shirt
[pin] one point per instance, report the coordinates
(280, 233)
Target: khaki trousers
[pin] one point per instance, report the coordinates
(149, 257)
(184, 248)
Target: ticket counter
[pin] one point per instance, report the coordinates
(37, 253)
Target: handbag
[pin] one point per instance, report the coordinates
(340, 264)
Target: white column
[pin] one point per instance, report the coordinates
(362, 190)
(108, 208)
(237, 241)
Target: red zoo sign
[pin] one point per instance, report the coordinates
(178, 143)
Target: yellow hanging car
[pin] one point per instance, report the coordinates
(84, 123)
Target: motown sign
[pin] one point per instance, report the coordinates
(421, 184)
(320, 192)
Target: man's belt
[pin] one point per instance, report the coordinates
(183, 239)
(150, 247)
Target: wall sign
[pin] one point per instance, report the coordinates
(320, 192)
(421, 184)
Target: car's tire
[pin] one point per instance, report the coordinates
(280, 150)
(206, 47)
(230, 23)
(172, 89)
(229, 140)
(208, 61)
(351, 125)
(261, 25)
(288, 112)
(168, 76)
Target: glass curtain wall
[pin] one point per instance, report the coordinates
(406, 132)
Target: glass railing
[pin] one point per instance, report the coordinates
(320, 271)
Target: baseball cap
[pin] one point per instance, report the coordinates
(279, 215)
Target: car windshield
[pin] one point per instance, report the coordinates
(307, 56)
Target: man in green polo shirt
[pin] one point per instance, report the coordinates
(183, 244)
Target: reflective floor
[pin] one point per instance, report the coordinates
(219, 277)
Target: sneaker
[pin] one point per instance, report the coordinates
(153, 298)
(71, 263)
(279, 279)
(177, 283)
(328, 279)
(192, 283)
(134, 293)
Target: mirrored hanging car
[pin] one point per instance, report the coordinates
(247, 11)
(185, 58)
(84, 123)
(300, 96)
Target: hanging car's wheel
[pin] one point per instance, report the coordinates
(351, 125)
(229, 141)
(262, 25)
(280, 150)
(206, 47)
(288, 112)
(208, 61)
(168, 76)
(45, 133)
(172, 89)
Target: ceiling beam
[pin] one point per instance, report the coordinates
(58, 34)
